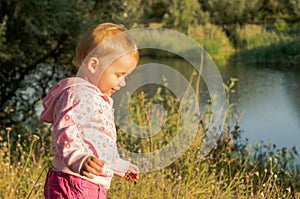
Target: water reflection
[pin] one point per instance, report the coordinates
(269, 100)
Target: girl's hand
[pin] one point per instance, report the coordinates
(132, 173)
(92, 165)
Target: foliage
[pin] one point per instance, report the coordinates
(295, 7)
(234, 14)
(38, 36)
(273, 9)
(265, 38)
(2, 36)
(37, 42)
(183, 13)
(213, 39)
(126, 12)
(279, 53)
(154, 11)
(231, 14)
(280, 24)
(273, 45)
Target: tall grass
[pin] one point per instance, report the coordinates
(213, 39)
(230, 170)
(275, 44)
(270, 44)
(260, 35)
(280, 53)
(23, 164)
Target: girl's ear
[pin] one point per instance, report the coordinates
(93, 64)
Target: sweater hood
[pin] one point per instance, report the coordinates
(55, 92)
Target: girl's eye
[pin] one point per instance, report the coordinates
(120, 74)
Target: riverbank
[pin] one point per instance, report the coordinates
(282, 54)
(255, 44)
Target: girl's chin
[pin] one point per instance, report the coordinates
(113, 91)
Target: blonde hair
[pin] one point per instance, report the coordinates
(92, 42)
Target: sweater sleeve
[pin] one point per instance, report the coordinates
(121, 167)
(117, 164)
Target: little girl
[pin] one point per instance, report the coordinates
(80, 109)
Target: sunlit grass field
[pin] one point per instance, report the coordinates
(220, 175)
(232, 169)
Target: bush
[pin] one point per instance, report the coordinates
(213, 40)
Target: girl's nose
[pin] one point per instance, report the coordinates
(122, 82)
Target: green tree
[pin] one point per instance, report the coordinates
(132, 13)
(37, 42)
(183, 13)
(154, 10)
(231, 12)
(270, 10)
(126, 12)
(3, 38)
(231, 15)
(37, 36)
(295, 7)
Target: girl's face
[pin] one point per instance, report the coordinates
(113, 78)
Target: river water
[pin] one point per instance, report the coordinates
(266, 99)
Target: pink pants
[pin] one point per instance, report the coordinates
(60, 185)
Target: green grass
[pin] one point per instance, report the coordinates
(270, 45)
(280, 53)
(213, 40)
(257, 44)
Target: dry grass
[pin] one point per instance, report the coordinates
(227, 172)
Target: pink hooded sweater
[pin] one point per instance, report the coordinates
(83, 125)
